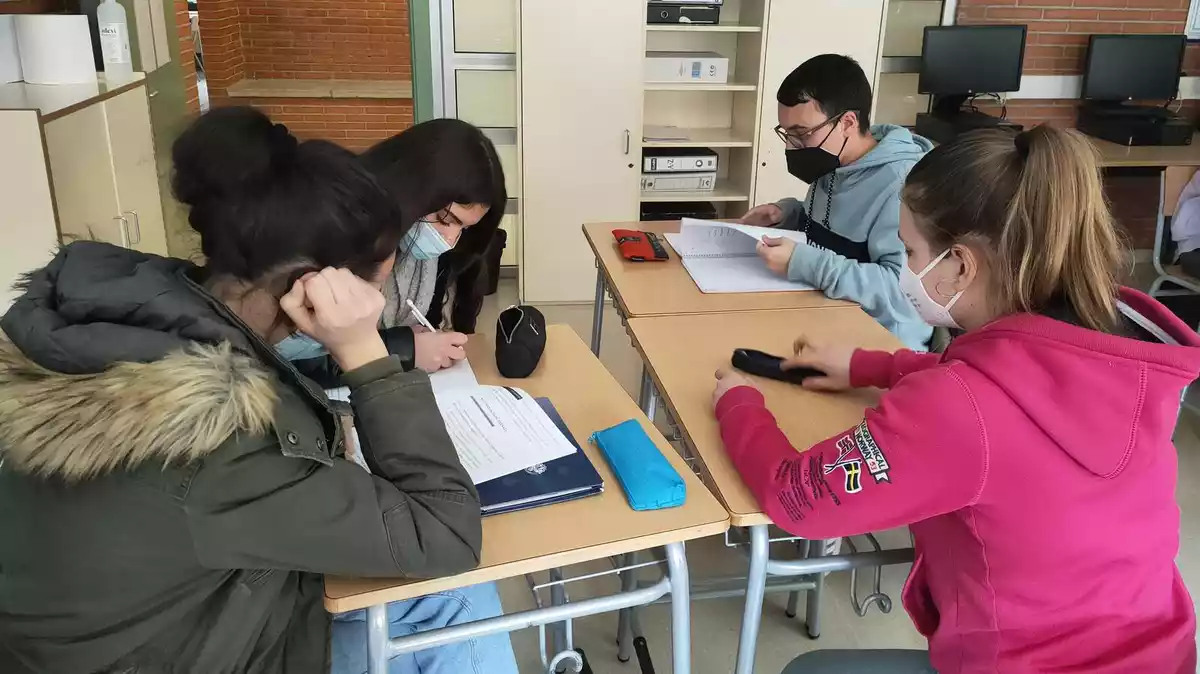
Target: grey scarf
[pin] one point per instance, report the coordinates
(410, 279)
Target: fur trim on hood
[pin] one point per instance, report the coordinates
(176, 409)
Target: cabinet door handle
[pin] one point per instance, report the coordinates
(135, 237)
(124, 229)
(627, 139)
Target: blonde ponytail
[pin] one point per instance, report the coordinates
(1036, 203)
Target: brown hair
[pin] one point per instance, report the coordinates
(1035, 204)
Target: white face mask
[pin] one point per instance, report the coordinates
(927, 308)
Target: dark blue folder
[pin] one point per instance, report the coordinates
(563, 479)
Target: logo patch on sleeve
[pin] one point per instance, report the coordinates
(872, 455)
(851, 468)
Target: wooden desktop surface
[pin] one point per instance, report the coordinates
(683, 352)
(589, 399)
(1120, 156)
(666, 288)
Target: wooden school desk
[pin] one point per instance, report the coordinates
(665, 288)
(535, 540)
(1173, 166)
(681, 354)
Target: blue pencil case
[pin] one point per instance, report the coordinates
(649, 481)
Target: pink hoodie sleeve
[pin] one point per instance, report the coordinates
(921, 453)
(882, 369)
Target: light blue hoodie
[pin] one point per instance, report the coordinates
(865, 212)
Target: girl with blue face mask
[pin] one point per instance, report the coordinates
(446, 178)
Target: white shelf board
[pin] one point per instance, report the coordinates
(698, 86)
(701, 28)
(693, 137)
(723, 192)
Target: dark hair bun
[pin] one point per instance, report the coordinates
(261, 200)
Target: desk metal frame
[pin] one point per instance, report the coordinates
(674, 584)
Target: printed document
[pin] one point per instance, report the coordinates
(721, 257)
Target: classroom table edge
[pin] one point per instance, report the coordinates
(737, 518)
(520, 567)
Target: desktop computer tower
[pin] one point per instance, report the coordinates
(1132, 129)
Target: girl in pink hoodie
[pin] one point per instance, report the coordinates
(1033, 459)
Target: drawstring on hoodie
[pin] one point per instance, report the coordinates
(810, 200)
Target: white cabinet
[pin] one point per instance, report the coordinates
(135, 171)
(796, 32)
(581, 121)
(76, 162)
(27, 234)
(104, 174)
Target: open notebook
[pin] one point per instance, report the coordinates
(721, 257)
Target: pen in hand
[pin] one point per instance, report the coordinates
(420, 317)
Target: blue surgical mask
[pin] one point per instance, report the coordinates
(299, 346)
(424, 241)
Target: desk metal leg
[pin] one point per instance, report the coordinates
(756, 586)
(377, 639)
(648, 398)
(558, 631)
(681, 609)
(598, 311)
(625, 616)
(812, 606)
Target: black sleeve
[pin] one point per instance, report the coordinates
(326, 373)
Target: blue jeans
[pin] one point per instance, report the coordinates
(487, 655)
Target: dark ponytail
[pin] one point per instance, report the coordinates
(264, 202)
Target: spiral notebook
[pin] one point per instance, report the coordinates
(721, 257)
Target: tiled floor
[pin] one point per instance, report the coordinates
(715, 623)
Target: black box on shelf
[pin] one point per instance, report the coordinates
(673, 12)
(654, 211)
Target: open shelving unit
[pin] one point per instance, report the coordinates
(721, 117)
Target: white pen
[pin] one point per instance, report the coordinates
(420, 316)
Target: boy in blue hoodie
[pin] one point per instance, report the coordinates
(852, 212)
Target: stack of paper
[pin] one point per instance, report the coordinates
(721, 257)
(496, 430)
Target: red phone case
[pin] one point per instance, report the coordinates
(635, 246)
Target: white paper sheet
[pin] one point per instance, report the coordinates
(709, 238)
(499, 430)
(737, 275)
(495, 430)
(459, 375)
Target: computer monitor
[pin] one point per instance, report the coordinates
(1133, 67)
(958, 61)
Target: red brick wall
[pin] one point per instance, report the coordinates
(1056, 45)
(221, 35)
(354, 123)
(187, 55)
(312, 40)
(324, 39)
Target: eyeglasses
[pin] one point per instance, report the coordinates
(445, 217)
(797, 139)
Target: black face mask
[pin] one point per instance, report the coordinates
(810, 163)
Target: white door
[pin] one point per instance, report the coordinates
(135, 168)
(796, 32)
(82, 173)
(581, 130)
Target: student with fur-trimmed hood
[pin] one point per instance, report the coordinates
(172, 489)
